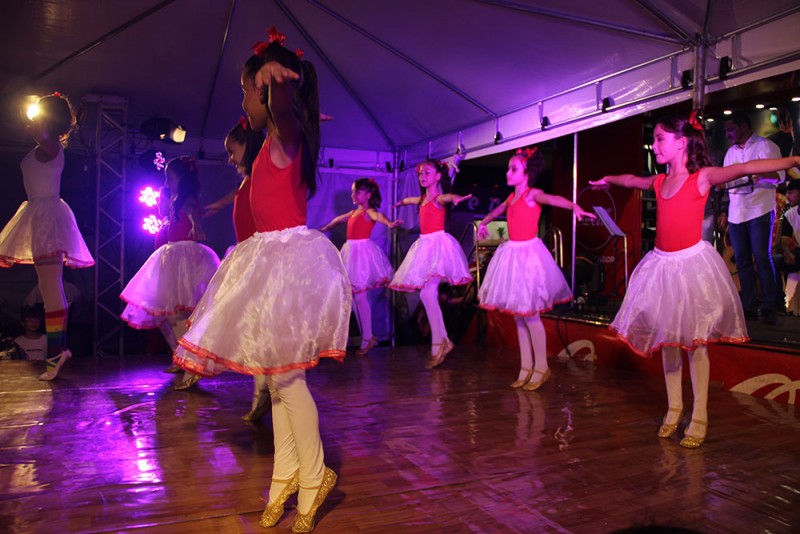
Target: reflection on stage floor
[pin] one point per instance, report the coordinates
(110, 447)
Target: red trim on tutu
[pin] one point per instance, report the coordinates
(695, 343)
(158, 313)
(383, 282)
(69, 261)
(196, 368)
(408, 288)
(525, 314)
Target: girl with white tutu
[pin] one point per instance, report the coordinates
(242, 145)
(43, 232)
(281, 300)
(681, 296)
(366, 264)
(167, 287)
(436, 256)
(522, 279)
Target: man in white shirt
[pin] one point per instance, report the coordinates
(751, 215)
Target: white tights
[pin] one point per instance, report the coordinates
(429, 295)
(51, 285)
(532, 344)
(295, 426)
(699, 370)
(173, 328)
(363, 316)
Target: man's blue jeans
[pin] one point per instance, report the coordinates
(753, 239)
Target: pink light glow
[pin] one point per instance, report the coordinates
(149, 196)
(152, 224)
(159, 162)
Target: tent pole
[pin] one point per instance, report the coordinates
(395, 178)
(574, 219)
(699, 86)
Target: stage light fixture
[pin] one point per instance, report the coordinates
(159, 128)
(727, 112)
(32, 111)
(388, 167)
(545, 123)
(710, 119)
(607, 103)
(149, 196)
(152, 224)
(796, 99)
(760, 106)
(498, 137)
(725, 66)
(686, 79)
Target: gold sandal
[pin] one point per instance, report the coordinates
(274, 510)
(305, 522)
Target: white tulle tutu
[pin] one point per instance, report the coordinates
(279, 301)
(434, 255)
(43, 228)
(523, 279)
(172, 280)
(680, 299)
(366, 265)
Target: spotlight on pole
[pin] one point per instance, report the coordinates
(159, 128)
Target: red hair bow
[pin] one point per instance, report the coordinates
(438, 164)
(259, 48)
(242, 122)
(526, 153)
(274, 35)
(694, 120)
(57, 94)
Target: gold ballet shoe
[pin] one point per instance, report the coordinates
(516, 384)
(667, 429)
(445, 347)
(274, 510)
(533, 386)
(188, 383)
(305, 522)
(258, 412)
(173, 369)
(364, 350)
(692, 442)
(54, 365)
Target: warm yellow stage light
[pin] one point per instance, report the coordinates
(32, 110)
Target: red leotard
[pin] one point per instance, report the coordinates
(431, 217)
(277, 196)
(523, 220)
(359, 225)
(175, 230)
(243, 224)
(679, 219)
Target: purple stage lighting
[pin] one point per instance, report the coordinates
(159, 161)
(149, 196)
(152, 224)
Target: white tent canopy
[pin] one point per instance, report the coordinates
(412, 77)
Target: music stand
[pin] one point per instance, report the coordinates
(614, 231)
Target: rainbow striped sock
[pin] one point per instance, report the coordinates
(55, 324)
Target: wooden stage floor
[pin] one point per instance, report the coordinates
(111, 448)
